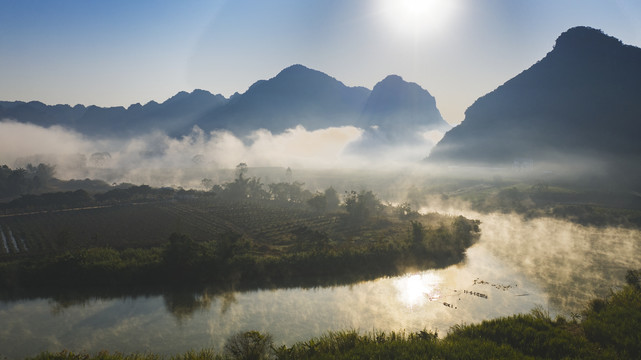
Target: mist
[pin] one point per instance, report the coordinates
(571, 263)
(552, 263)
(160, 160)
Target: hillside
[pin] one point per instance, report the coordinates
(578, 104)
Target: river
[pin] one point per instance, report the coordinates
(516, 266)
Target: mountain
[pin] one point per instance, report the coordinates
(296, 96)
(394, 112)
(581, 101)
(401, 110)
(175, 116)
(38, 113)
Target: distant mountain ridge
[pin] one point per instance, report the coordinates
(583, 99)
(174, 115)
(295, 96)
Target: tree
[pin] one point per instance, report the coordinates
(633, 278)
(16, 182)
(249, 345)
(255, 189)
(288, 175)
(286, 192)
(44, 173)
(238, 189)
(243, 188)
(318, 202)
(241, 170)
(464, 229)
(182, 253)
(231, 244)
(361, 206)
(332, 200)
(418, 232)
(325, 202)
(405, 211)
(415, 198)
(208, 184)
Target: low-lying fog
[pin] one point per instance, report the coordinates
(159, 160)
(572, 263)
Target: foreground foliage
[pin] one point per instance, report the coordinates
(199, 240)
(606, 329)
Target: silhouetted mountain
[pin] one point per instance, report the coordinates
(38, 113)
(296, 96)
(399, 111)
(175, 116)
(581, 100)
(180, 113)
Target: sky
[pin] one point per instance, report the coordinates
(117, 53)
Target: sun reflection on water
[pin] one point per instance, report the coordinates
(417, 289)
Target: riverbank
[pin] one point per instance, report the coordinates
(334, 249)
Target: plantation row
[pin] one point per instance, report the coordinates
(118, 227)
(11, 244)
(150, 224)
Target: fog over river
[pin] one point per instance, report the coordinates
(516, 266)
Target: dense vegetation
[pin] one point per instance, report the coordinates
(582, 207)
(532, 198)
(308, 257)
(607, 329)
(239, 235)
(14, 182)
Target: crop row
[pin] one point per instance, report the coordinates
(12, 243)
(151, 224)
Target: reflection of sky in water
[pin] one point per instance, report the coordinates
(143, 324)
(506, 273)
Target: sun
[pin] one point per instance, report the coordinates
(417, 17)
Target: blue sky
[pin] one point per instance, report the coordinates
(112, 53)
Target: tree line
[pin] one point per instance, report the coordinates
(30, 179)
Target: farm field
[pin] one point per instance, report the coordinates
(204, 240)
(145, 225)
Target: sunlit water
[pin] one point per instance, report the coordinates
(514, 268)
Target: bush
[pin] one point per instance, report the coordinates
(249, 345)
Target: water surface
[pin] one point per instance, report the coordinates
(515, 267)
